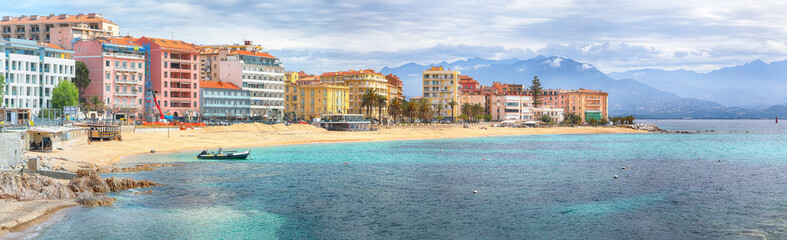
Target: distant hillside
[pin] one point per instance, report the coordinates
(694, 108)
(750, 85)
(554, 72)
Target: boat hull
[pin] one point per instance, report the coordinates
(234, 156)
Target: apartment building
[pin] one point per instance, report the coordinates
(469, 86)
(550, 98)
(588, 104)
(223, 100)
(174, 77)
(257, 72)
(308, 101)
(441, 86)
(117, 73)
(31, 71)
(358, 82)
(394, 87)
(61, 30)
(510, 107)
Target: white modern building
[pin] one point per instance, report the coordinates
(262, 75)
(31, 71)
(510, 107)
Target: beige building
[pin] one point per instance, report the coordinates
(60, 30)
(358, 82)
(588, 104)
(441, 86)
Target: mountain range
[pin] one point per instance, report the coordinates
(753, 85)
(746, 91)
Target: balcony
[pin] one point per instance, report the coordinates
(126, 69)
(126, 106)
(126, 94)
(132, 82)
(124, 55)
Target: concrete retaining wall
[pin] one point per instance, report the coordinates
(10, 149)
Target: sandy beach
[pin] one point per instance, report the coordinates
(255, 134)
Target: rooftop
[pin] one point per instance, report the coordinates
(218, 84)
(250, 53)
(128, 41)
(51, 18)
(175, 44)
(339, 73)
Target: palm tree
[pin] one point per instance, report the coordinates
(368, 100)
(439, 109)
(380, 101)
(425, 110)
(477, 110)
(395, 108)
(467, 110)
(453, 104)
(410, 109)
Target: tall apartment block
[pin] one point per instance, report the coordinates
(174, 77)
(441, 86)
(31, 71)
(62, 30)
(588, 104)
(117, 73)
(394, 87)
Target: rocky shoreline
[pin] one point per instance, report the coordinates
(25, 197)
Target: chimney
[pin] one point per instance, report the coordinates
(6, 18)
(79, 15)
(247, 42)
(91, 15)
(62, 16)
(22, 17)
(33, 17)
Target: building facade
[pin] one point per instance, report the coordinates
(262, 75)
(174, 77)
(555, 113)
(223, 100)
(510, 107)
(117, 74)
(60, 30)
(394, 87)
(550, 98)
(441, 86)
(31, 71)
(588, 104)
(358, 83)
(308, 101)
(467, 85)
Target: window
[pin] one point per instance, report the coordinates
(107, 63)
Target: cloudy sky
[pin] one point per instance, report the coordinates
(319, 36)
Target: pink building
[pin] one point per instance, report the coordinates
(174, 75)
(117, 73)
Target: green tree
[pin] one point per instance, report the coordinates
(380, 102)
(64, 94)
(536, 89)
(368, 101)
(467, 110)
(395, 108)
(488, 117)
(477, 111)
(425, 110)
(571, 119)
(410, 109)
(546, 118)
(2, 90)
(439, 110)
(82, 79)
(453, 104)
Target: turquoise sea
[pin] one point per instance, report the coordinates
(719, 183)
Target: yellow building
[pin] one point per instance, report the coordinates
(588, 104)
(306, 97)
(441, 86)
(307, 101)
(358, 82)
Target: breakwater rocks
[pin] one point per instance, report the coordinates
(88, 188)
(646, 127)
(137, 168)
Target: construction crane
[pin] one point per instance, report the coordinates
(150, 96)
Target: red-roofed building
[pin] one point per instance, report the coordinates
(359, 82)
(248, 67)
(223, 100)
(117, 73)
(394, 86)
(467, 85)
(174, 76)
(60, 30)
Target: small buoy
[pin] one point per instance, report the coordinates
(700, 158)
(345, 163)
(483, 159)
(475, 191)
(719, 160)
(624, 168)
(152, 150)
(616, 176)
(441, 150)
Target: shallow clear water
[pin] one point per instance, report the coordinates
(530, 187)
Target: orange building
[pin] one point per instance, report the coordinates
(394, 87)
(467, 85)
(588, 104)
